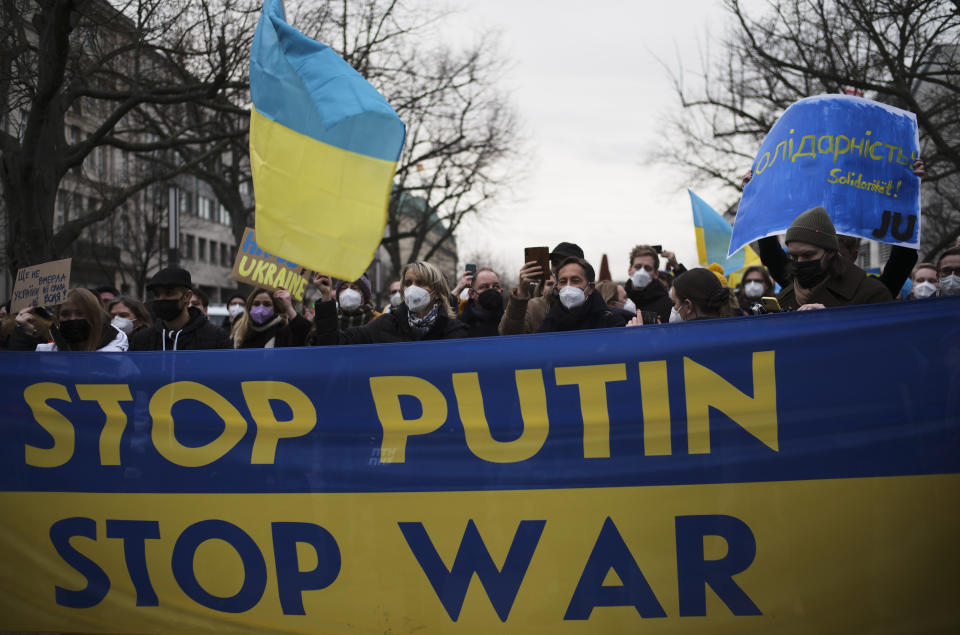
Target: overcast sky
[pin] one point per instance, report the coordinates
(591, 97)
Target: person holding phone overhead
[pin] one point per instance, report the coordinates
(529, 302)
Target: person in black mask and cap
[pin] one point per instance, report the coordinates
(821, 277)
(179, 326)
(482, 312)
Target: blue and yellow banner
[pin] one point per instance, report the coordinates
(790, 473)
(324, 146)
(851, 155)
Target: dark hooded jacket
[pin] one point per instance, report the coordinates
(197, 334)
(389, 327)
(851, 286)
(653, 297)
(592, 314)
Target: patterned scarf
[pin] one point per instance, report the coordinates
(422, 325)
(355, 317)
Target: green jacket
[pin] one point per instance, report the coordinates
(852, 286)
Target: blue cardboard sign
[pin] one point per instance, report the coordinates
(851, 155)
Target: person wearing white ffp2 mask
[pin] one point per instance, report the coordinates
(925, 281)
(644, 287)
(580, 305)
(755, 284)
(354, 306)
(948, 269)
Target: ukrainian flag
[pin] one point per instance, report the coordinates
(713, 241)
(324, 146)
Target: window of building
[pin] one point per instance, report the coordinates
(186, 202)
(189, 247)
(205, 208)
(202, 250)
(225, 255)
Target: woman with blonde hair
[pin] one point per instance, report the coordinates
(424, 314)
(80, 324)
(269, 321)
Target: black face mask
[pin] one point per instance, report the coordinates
(74, 331)
(490, 300)
(809, 273)
(166, 310)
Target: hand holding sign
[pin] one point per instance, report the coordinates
(855, 157)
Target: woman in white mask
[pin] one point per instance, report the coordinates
(755, 284)
(425, 314)
(129, 315)
(355, 303)
(698, 295)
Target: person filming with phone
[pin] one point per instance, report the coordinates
(79, 324)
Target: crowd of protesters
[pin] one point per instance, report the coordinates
(815, 270)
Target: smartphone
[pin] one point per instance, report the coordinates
(471, 269)
(658, 248)
(540, 255)
(770, 305)
(649, 317)
(42, 312)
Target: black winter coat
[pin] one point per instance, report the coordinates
(389, 327)
(199, 333)
(653, 297)
(481, 323)
(292, 333)
(592, 314)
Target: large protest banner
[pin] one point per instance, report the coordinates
(851, 155)
(793, 473)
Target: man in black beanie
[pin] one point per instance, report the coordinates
(821, 277)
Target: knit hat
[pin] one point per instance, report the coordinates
(717, 270)
(814, 227)
(363, 282)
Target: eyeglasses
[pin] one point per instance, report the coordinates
(946, 271)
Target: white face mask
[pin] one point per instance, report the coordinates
(122, 324)
(350, 299)
(640, 279)
(416, 297)
(235, 311)
(950, 285)
(753, 289)
(630, 306)
(465, 295)
(396, 299)
(572, 297)
(924, 289)
(675, 315)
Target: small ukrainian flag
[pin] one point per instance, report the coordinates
(324, 146)
(713, 241)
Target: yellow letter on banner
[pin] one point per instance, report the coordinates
(533, 411)
(58, 426)
(655, 397)
(386, 396)
(109, 396)
(592, 381)
(161, 411)
(258, 395)
(705, 389)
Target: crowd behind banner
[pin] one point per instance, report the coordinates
(557, 291)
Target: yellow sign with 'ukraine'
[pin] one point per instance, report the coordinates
(324, 146)
(713, 477)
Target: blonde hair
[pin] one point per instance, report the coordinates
(239, 332)
(433, 277)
